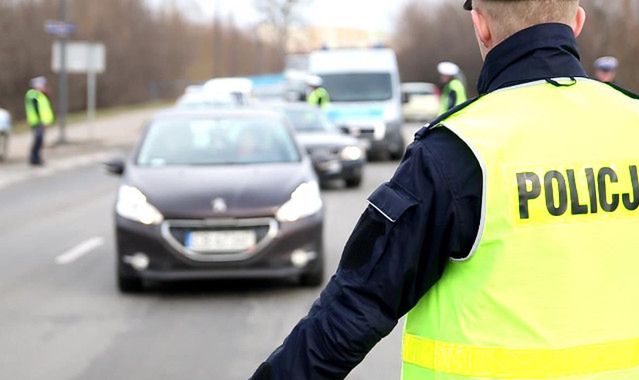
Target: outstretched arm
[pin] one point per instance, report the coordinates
(397, 251)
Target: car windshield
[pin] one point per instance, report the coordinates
(358, 87)
(419, 91)
(224, 141)
(309, 120)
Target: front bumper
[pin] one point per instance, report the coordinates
(390, 140)
(166, 262)
(338, 169)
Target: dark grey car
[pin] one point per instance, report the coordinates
(335, 155)
(218, 195)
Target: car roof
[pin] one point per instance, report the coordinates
(294, 106)
(213, 113)
(417, 86)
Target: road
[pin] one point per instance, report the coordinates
(62, 317)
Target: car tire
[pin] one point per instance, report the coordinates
(396, 155)
(353, 182)
(314, 277)
(130, 284)
(380, 155)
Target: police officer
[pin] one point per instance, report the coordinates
(453, 90)
(318, 95)
(507, 232)
(39, 116)
(606, 69)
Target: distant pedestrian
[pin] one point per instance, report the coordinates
(606, 69)
(39, 116)
(453, 90)
(318, 95)
(5, 130)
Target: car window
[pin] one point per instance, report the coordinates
(358, 87)
(309, 120)
(425, 89)
(217, 142)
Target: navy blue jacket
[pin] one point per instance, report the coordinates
(428, 213)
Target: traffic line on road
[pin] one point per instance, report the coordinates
(79, 251)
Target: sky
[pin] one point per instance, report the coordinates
(376, 15)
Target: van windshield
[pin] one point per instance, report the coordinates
(358, 87)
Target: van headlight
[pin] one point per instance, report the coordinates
(132, 205)
(305, 201)
(352, 153)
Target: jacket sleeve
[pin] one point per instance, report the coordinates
(397, 251)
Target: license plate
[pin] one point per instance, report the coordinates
(330, 167)
(220, 241)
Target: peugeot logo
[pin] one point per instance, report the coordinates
(219, 205)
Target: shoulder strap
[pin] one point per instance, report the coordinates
(624, 91)
(426, 128)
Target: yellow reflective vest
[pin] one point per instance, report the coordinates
(319, 97)
(551, 289)
(44, 114)
(456, 86)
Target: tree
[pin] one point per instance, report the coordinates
(281, 16)
(428, 32)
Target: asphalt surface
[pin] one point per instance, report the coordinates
(63, 318)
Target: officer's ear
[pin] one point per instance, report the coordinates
(484, 35)
(580, 21)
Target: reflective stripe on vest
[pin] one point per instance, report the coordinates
(551, 287)
(520, 364)
(44, 115)
(454, 85)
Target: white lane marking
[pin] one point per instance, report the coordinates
(79, 251)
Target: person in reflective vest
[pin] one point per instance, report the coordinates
(506, 236)
(453, 91)
(318, 95)
(39, 116)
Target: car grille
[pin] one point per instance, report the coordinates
(323, 154)
(175, 232)
(366, 132)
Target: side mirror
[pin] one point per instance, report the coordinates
(115, 166)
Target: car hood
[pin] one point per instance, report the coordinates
(312, 140)
(246, 190)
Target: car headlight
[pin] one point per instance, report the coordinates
(305, 201)
(351, 153)
(132, 205)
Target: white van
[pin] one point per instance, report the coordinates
(366, 100)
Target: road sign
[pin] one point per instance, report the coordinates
(82, 57)
(59, 28)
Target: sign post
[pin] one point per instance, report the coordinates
(62, 30)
